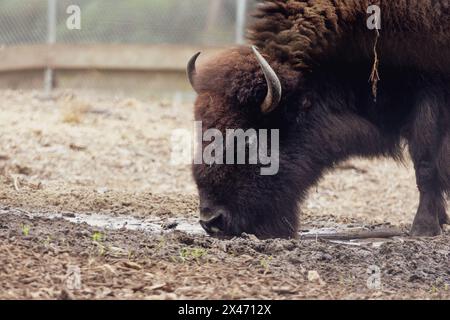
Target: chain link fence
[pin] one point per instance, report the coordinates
(194, 22)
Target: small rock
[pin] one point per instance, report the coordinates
(222, 245)
(66, 295)
(169, 225)
(313, 276)
(325, 257)
(68, 214)
(170, 296)
(102, 190)
(76, 147)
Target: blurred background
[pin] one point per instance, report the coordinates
(137, 47)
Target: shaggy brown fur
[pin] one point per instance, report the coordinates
(305, 33)
(328, 115)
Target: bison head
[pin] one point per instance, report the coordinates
(239, 89)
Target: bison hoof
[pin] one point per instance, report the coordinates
(425, 230)
(443, 218)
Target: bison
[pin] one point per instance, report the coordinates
(306, 75)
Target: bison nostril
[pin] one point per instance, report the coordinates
(211, 222)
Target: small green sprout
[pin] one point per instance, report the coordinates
(265, 263)
(25, 230)
(434, 289)
(97, 236)
(192, 254)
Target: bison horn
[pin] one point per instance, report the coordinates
(274, 90)
(191, 70)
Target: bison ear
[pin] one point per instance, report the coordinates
(274, 91)
(191, 70)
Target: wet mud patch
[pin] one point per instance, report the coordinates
(350, 234)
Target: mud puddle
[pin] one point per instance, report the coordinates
(355, 235)
(104, 221)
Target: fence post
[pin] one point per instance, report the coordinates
(241, 12)
(51, 39)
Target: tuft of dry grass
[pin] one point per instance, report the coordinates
(73, 109)
(130, 103)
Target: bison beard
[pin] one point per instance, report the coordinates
(327, 112)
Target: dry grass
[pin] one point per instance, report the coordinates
(73, 109)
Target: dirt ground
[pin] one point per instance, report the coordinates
(75, 154)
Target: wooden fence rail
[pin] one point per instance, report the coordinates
(104, 57)
(143, 68)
